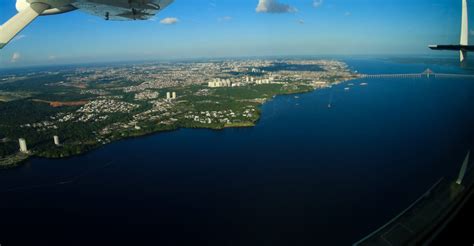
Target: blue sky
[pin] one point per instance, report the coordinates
(222, 28)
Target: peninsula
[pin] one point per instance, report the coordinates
(61, 112)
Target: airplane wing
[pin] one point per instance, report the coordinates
(121, 10)
(107, 9)
(452, 47)
(13, 26)
(463, 47)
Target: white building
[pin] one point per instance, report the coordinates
(262, 81)
(23, 147)
(238, 84)
(56, 140)
(168, 95)
(220, 83)
(320, 84)
(265, 81)
(173, 95)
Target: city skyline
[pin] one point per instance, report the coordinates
(228, 29)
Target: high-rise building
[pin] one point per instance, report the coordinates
(168, 95)
(220, 83)
(173, 95)
(23, 147)
(56, 140)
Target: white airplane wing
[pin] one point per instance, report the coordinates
(122, 9)
(463, 47)
(18, 22)
(107, 9)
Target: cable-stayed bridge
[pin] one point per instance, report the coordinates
(428, 73)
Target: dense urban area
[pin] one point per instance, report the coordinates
(59, 112)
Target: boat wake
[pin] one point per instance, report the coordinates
(65, 181)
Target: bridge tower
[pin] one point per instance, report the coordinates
(428, 72)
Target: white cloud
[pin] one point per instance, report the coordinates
(52, 57)
(274, 6)
(225, 19)
(347, 13)
(15, 57)
(317, 3)
(19, 37)
(301, 21)
(169, 21)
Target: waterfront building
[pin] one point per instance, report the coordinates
(168, 95)
(23, 147)
(56, 140)
(320, 84)
(173, 95)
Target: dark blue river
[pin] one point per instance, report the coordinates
(305, 175)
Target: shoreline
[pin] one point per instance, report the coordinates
(11, 164)
(108, 113)
(13, 161)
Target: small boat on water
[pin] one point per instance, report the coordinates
(363, 84)
(329, 105)
(296, 97)
(351, 84)
(347, 88)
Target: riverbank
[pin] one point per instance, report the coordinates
(81, 148)
(84, 119)
(13, 160)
